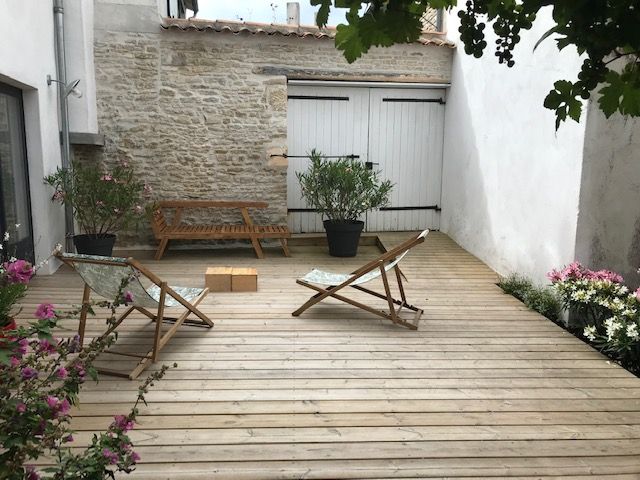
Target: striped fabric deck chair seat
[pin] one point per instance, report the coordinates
(111, 277)
(328, 284)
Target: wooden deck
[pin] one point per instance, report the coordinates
(485, 388)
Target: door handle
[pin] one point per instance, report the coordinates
(370, 165)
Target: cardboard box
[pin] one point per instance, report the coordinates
(244, 280)
(218, 279)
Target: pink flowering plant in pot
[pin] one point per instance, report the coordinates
(40, 379)
(607, 311)
(104, 202)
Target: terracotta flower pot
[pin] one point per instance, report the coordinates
(5, 328)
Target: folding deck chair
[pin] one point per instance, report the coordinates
(379, 267)
(105, 276)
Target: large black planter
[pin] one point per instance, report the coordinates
(95, 244)
(343, 237)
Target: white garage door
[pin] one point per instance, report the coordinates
(398, 131)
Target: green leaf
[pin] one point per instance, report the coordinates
(348, 40)
(546, 35)
(323, 12)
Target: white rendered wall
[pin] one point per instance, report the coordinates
(26, 57)
(78, 32)
(510, 181)
(609, 219)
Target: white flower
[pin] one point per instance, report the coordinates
(612, 325)
(623, 289)
(632, 331)
(590, 332)
(6, 236)
(17, 225)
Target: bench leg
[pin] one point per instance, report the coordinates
(257, 247)
(161, 248)
(285, 247)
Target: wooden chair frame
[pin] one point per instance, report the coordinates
(160, 339)
(392, 314)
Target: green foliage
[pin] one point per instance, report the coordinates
(40, 379)
(602, 30)
(342, 189)
(103, 201)
(540, 299)
(516, 285)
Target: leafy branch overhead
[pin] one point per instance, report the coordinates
(602, 31)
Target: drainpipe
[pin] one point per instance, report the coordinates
(65, 147)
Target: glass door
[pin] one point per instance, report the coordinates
(15, 208)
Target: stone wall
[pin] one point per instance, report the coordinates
(198, 113)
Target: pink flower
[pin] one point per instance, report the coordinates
(52, 402)
(46, 346)
(15, 362)
(606, 275)
(23, 343)
(62, 373)
(637, 293)
(128, 297)
(555, 276)
(106, 177)
(19, 271)
(123, 423)
(45, 311)
(21, 407)
(110, 456)
(64, 406)
(31, 474)
(135, 457)
(58, 195)
(28, 373)
(68, 439)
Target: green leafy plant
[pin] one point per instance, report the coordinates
(103, 201)
(40, 378)
(540, 299)
(603, 31)
(342, 189)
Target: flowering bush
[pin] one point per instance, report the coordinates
(15, 275)
(103, 201)
(40, 378)
(609, 312)
(342, 189)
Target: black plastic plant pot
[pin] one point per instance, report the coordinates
(95, 244)
(343, 237)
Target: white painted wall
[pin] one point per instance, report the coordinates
(26, 57)
(78, 31)
(510, 182)
(608, 233)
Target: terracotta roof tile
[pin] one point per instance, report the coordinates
(301, 31)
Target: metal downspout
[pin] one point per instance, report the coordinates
(61, 65)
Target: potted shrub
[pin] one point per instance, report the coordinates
(342, 190)
(103, 202)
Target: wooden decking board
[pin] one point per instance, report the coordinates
(485, 388)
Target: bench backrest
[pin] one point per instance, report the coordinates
(105, 276)
(158, 222)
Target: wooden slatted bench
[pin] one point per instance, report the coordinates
(176, 230)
